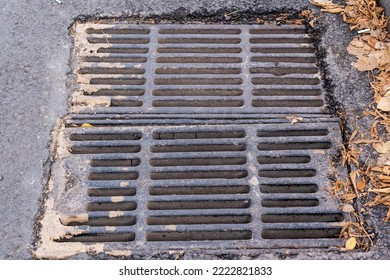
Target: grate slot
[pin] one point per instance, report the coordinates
(198, 40)
(294, 146)
(220, 174)
(286, 81)
(289, 49)
(198, 235)
(110, 40)
(117, 31)
(287, 173)
(104, 137)
(280, 40)
(175, 70)
(302, 218)
(197, 161)
(107, 221)
(204, 59)
(200, 204)
(198, 135)
(192, 219)
(198, 81)
(125, 175)
(118, 92)
(198, 148)
(230, 31)
(286, 92)
(285, 203)
(197, 50)
(105, 150)
(289, 188)
(296, 103)
(123, 50)
(288, 59)
(283, 159)
(100, 237)
(280, 71)
(278, 30)
(114, 59)
(197, 92)
(296, 132)
(112, 206)
(115, 162)
(117, 81)
(96, 192)
(198, 103)
(108, 71)
(300, 233)
(199, 190)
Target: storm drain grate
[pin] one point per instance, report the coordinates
(193, 186)
(127, 68)
(180, 137)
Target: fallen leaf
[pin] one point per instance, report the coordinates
(384, 159)
(386, 190)
(348, 208)
(382, 148)
(86, 125)
(348, 196)
(351, 243)
(384, 104)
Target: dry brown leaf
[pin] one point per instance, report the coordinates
(328, 6)
(350, 244)
(385, 190)
(382, 148)
(348, 196)
(384, 104)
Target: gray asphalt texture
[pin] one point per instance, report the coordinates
(34, 79)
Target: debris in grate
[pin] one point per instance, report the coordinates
(128, 68)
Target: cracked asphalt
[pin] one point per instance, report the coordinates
(34, 90)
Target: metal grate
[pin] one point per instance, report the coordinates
(127, 68)
(190, 143)
(197, 186)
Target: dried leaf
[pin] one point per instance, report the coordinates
(384, 104)
(382, 148)
(348, 196)
(351, 243)
(328, 6)
(385, 190)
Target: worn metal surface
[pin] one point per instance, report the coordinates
(192, 69)
(222, 187)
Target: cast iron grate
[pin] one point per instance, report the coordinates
(128, 68)
(204, 137)
(198, 186)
